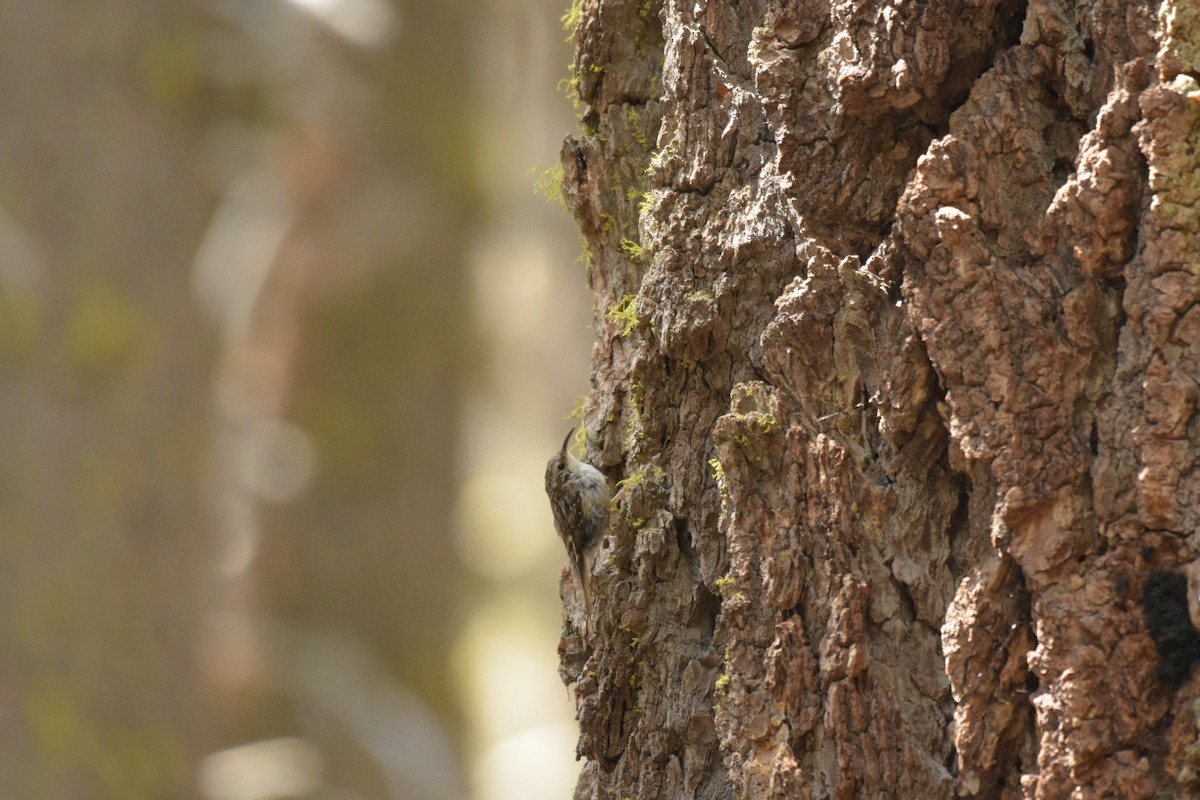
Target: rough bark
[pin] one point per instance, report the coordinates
(896, 360)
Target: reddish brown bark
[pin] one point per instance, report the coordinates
(901, 383)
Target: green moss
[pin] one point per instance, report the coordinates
(718, 473)
(637, 394)
(580, 443)
(585, 250)
(750, 422)
(724, 583)
(633, 426)
(645, 201)
(634, 115)
(578, 409)
(579, 440)
(569, 86)
(652, 473)
(756, 422)
(572, 17)
(625, 313)
(549, 184)
(635, 250)
(633, 432)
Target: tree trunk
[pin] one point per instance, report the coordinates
(896, 361)
(104, 362)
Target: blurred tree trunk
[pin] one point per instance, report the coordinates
(104, 365)
(160, 602)
(896, 362)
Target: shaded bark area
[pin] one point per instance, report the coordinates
(895, 366)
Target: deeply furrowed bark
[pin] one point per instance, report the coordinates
(896, 363)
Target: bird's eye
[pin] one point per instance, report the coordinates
(560, 467)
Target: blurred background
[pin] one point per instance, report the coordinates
(286, 339)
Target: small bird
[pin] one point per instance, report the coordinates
(579, 497)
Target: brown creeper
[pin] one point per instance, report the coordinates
(579, 497)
